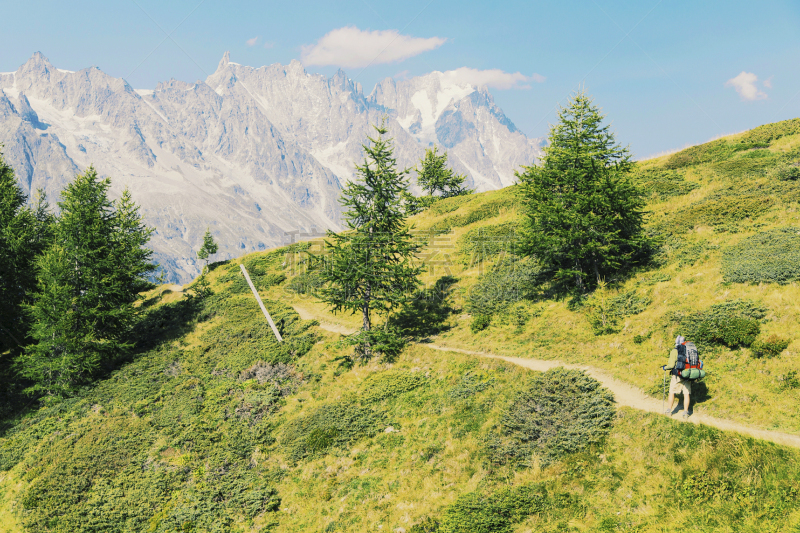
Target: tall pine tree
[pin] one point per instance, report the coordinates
(24, 232)
(370, 268)
(584, 215)
(88, 280)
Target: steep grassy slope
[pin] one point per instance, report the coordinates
(213, 426)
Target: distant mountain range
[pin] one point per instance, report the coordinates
(250, 152)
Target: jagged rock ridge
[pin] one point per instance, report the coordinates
(250, 152)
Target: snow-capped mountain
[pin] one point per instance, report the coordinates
(250, 152)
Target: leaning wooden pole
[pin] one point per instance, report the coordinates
(261, 304)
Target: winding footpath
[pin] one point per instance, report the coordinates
(624, 393)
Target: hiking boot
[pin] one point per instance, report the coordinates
(668, 412)
(685, 415)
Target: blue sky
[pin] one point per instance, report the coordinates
(666, 73)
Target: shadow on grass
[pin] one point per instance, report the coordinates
(165, 323)
(428, 312)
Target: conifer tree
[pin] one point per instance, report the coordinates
(370, 267)
(434, 176)
(209, 247)
(24, 232)
(88, 280)
(584, 215)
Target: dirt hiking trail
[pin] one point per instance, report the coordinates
(625, 394)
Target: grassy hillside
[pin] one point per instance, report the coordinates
(214, 426)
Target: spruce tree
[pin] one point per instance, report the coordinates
(24, 232)
(88, 280)
(584, 215)
(370, 267)
(209, 247)
(434, 176)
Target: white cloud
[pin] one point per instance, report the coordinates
(745, 85)
(252, 42)
(350, 47)
(492, 78)
(768, 83)
(268, 44)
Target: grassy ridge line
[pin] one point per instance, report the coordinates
(624, 393)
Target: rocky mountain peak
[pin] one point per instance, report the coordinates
(250, 152)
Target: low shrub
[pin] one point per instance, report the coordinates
(510, 281)
(560, 412)
(308, 283)
(662, 185)
(769, 347)
(733, 324)
(497, 513)
(639, 339)
(469, 385)
(390, 383)
(331, 425)
(767, 257)
(785, 172)
(605, 310)
(487, 242)
(790, 380)
(480, 322)
(386, 343)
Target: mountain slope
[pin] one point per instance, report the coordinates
(251, 152)
(215, 426)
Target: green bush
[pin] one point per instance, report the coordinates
(785, 172)
(487, 242)
(733, 324)
(469, 385)
(769, 347)
(790, 381)
(497, 513)
(560, 412)
(387, 343)
(383, 385)
(331, 425)
(309, 282)
(480, 322)
(510, 281)
(605, 311)
(662, 185)
(767, 257)
(639, 339)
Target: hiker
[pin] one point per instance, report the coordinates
(678, 385)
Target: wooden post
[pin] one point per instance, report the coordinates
(261, 304)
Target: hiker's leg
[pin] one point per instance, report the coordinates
(671, 402)
(686, 402)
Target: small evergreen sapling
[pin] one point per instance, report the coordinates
(208, 249)
(371, 267)
(434, 176)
